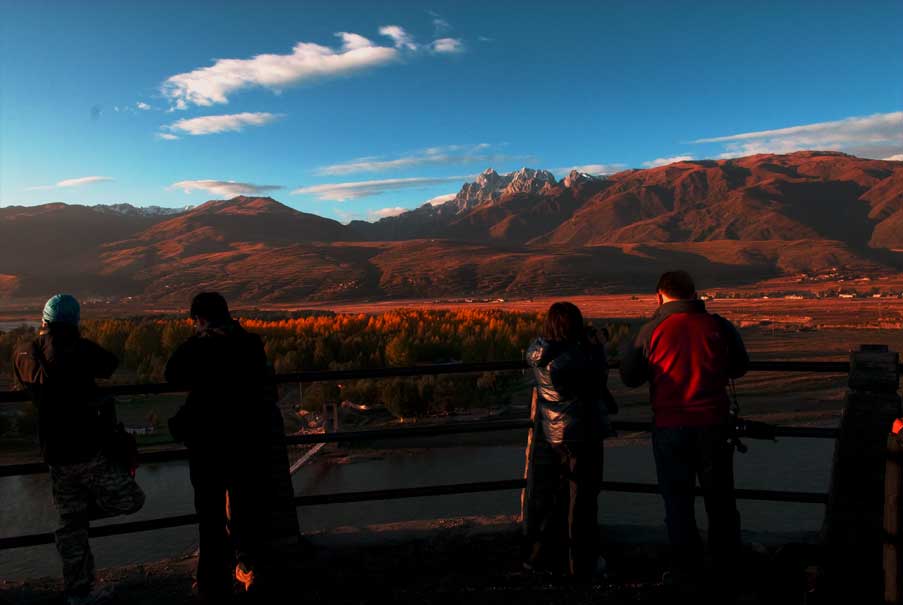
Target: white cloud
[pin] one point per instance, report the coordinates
(167, 136)
(224, 188)
(895, 158)
(85, 180)
(77, 182)
(352, 41)
(387, 212)
(447, 45)
(854, 134)
(223, 123)
(445, 155)
(346, 217)
(666, 161)
(440, 25)
(440, 199)
(143, 106)
(307, 61)
(340, 192)
(399, 36)
(595, 169)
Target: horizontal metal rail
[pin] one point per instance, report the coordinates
(423, 431)
(828, 367)
(170, 455)
(395, 494)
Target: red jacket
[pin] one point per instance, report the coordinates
(688, 356)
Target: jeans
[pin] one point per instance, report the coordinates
(683, 454)
(233, 534)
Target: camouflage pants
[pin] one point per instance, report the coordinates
(88, 490)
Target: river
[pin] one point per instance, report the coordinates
(790, 464)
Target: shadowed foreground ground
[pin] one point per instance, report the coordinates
(472, 560)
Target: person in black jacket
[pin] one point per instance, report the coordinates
(227, 424)
(74, 426)
(572, 421)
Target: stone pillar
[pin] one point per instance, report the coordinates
(853, 527)
(526, 494)
(893, 531)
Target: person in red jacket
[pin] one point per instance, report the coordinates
(688, 356)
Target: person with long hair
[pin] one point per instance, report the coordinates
(76, 429)
(572, 420)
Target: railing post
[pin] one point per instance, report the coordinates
(853, 527)
(893, 531)
(526, 493)
(284, 530)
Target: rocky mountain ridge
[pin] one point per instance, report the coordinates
(519, 234)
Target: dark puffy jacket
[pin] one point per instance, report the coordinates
(688, 356)
(58, 369)
(571, 382)
(228, 408)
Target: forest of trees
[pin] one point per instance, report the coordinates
(346, 341)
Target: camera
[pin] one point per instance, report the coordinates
(741, 427)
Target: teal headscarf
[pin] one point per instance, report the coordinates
(62, 308)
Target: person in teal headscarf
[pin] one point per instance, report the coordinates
(58, 369)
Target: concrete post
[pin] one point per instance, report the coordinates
(853, 527)
(893, 530)
(526, 494)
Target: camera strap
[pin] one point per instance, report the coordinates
(732, 394)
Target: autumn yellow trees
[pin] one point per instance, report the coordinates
(325, 341)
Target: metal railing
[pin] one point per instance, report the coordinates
(421, 431)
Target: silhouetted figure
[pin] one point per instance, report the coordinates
(227, 423)
(688, 356)
(571, 374)
(75, 426)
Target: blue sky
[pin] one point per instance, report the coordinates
(176, 103)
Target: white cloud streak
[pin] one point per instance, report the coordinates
(143, 106)
(895, 158)
(224, 188)
(665, 161)
(77, 182)
(594, 169)
(234, 122)
(854, 134)
(307, 62)
(340, 192)
(166, 136)
(399, 36)
(447, 45)
(387, 212)
(433, 156)
(440, 25)
(440, 199)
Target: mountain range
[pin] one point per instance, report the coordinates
(526, 233)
